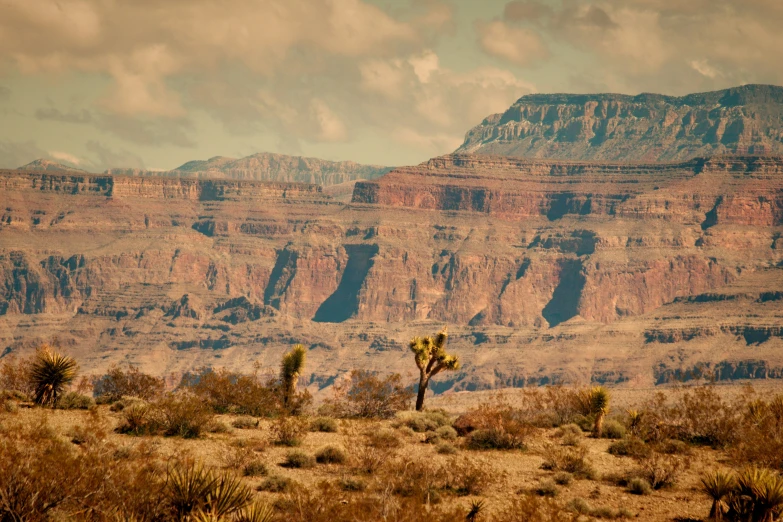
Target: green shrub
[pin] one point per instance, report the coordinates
(245, 423)
(673, 447)
(568, 430)
(331, 455)
(183, 415)
(493, 439)
(131, 382)
(546, 488)
(352, 484)
(255, 468)
(446, 433)
(288, 430)
(613, 430)
(139, 419)
(445, 448)
(639, 486)
(298, 459)
(384, 439)
(324, 425)
(661, 471)
(630, 447)
(10, 406)
(563, 478)
(228, 392)
(217, 426)
(423, 421)
(571, 460)
(276, 484)
(74, 401)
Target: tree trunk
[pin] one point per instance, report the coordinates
(423, 382)
(598, 427)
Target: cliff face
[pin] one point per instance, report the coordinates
(269, 167)
(647, 127)
(545, 271)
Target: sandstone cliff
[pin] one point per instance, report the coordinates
(647, 127)
(545, 271)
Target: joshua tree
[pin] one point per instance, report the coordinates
(290, 369)
(50, 373)
(476, 508)
(718, 485)
(431, 358)
(758, 496)
(599, 406)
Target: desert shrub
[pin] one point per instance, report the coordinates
(324, 424)
(352, 484)
(129, 382)
(499, 427)
(383, 439)
(288, 430)
(331, 455)
(639, 486)
(252, 443)
(237, 458)
(630, 447)
(255, 468)
(298, 459)
(582, 507)
(368, 459)
(10, 406)
(276, 484)
(419, 479)
(468, 476)
(431, 437)
(423, 421)
(245, 423)
(406, 431)
(546, 488)
(571, 460)
(563, 478)
(229, 392)
(217, 426)
(661, 471)
(446, 433)
(568, 430)
(184, 415)
(445, 448)
(15, 380)
(673, 447)
(74, 401)
(365, 395)
(139, 419)
(612, 429)
(530, 507)
(126, 402)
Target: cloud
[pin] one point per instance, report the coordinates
(53, 114)
(147, 131)
(104, 158)
(14, 154)
(65, 157)
(518, 45)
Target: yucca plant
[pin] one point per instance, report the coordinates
(769, 498)
(758, 496)
(188, 487)
(50, 373)
(599, 406)
(227, 495)
(255, 512)
(290, 370)
(431, 359)
(476, 508)
(635, 421)
(718, 485)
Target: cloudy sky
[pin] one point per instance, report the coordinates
(155, 83)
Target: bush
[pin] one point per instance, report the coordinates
(255, 468)
(352, 484)
(423, 421)
(446, 433)
(567, 459)
(445, 448)
(673, 447)
(661, 471)
(568, 430)
(324, 424)
(331, 455)
(367, 396)
(217, 426)
(276, 484)
(139, 419)
(546, 488)
(10, 406)
(468, 477)
(613, 430)
(384, 439)
(229, 392)
(499, 426)
(563, 478)
(183, 415)
(245, 423)
(298, 459)
(15, 380)
(370, 459)
(131, 382)
(630, 447)
(74, 401)
(289, 430)
(639, 486)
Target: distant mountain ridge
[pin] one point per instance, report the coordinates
(268, 166)
(646, 127)
(44, 165)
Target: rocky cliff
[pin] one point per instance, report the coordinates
(647, 127)
(545, 271)
(269, 167)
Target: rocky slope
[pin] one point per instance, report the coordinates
(43, 165)
(647, 127)
(269, 167)
(544, 271)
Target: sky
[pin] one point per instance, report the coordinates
(155, 83)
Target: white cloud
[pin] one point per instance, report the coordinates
(66, 157)
(518, 45)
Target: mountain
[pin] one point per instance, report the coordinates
(647, 127)
(43, 165)
(269, 167)
(545, 271)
